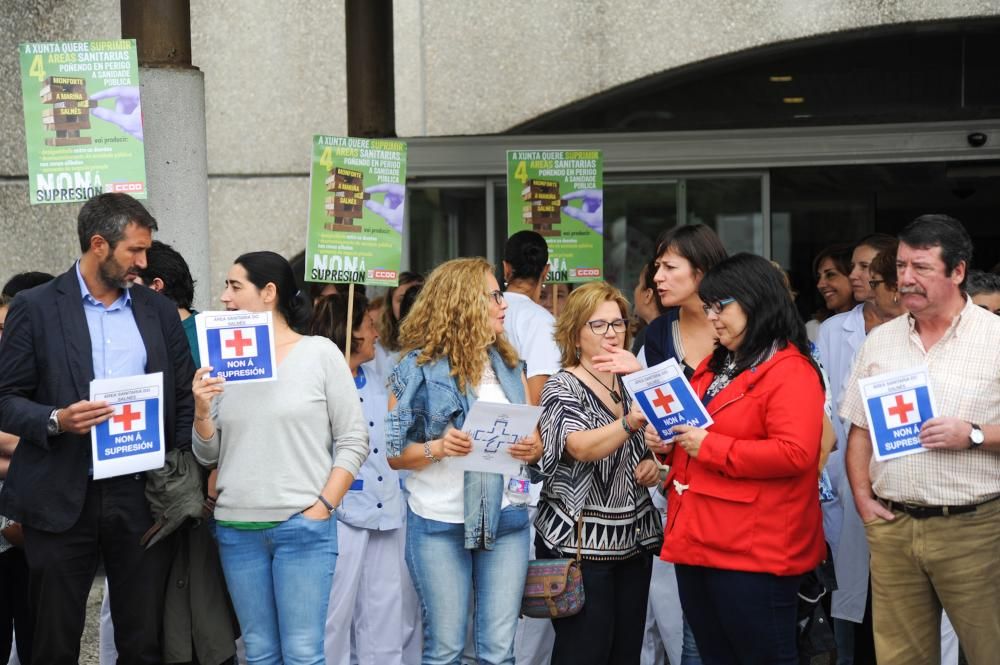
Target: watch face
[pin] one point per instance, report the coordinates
(977, 436)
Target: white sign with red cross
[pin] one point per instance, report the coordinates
(238, 343)
(128, 417)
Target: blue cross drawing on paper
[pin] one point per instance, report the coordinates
(496, 437)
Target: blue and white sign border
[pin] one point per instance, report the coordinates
(667, 372)
(122, 391)
(236, 319)
(891, 383)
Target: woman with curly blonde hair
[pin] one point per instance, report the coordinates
(463, 536)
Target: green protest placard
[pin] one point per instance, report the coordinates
(82, 120)
(357, 194)
(560, 194)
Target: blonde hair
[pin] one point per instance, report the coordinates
(579, 307)
(451, 319)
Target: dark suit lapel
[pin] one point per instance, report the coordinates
(75, 333)
(149, 328)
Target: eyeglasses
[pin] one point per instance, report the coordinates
(496, 295)
(600, 326)
(872, 283)
(717, 307)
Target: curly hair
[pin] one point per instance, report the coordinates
(579, 307)
(450, 320)
(388, 325)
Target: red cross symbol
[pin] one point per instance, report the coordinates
(663, 401)
(901, 410)
(126, 417)
(238, 342)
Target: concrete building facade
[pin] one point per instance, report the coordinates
(470, 70)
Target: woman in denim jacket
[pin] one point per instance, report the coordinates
(463, 537)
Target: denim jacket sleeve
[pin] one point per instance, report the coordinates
(425, 404)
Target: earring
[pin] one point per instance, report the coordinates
(578, 353)
(895, 300)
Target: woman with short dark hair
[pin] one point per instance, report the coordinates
(744, 520)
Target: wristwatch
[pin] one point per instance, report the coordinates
(976, 436)
(53, 424)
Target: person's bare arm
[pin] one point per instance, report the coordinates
(858, 458)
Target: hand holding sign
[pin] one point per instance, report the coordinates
(456, 443)
(529, 449)
(653, 441)
(689, 438)
(945, 433)
(205, 388)
(80, 416)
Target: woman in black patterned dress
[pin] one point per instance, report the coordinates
(597, 468)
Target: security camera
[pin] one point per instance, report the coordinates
(977, 139)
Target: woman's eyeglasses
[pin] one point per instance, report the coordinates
(717, 306)
(600, 326)
(872, 283)
(496, 295)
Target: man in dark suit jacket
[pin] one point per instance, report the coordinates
(87, 323)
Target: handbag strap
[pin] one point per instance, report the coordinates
(579, 535)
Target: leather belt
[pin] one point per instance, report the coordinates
(923, 512)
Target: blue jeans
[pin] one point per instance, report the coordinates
(447, 577)
(279, 580)
(689, 650)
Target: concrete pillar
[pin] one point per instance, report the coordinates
(371, 95)
(173, 111)
(173, 108)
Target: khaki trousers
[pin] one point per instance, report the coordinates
(921, 565)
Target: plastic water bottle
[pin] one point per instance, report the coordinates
(518, 490)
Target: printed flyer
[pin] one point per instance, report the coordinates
(560, 194)
(357, 201)
(666, 397)
(82, 120)
(132, 439)
(897, 404)
(238, 346)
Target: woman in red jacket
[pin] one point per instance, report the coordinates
(744, 519)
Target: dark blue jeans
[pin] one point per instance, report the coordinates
(740, 618)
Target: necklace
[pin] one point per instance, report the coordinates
(615, 397)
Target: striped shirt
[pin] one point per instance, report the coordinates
(619, 519)
(965, 379)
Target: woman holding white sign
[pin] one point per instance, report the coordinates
(744, 522)
(280, 473)
(596, 470)
(463, 536)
